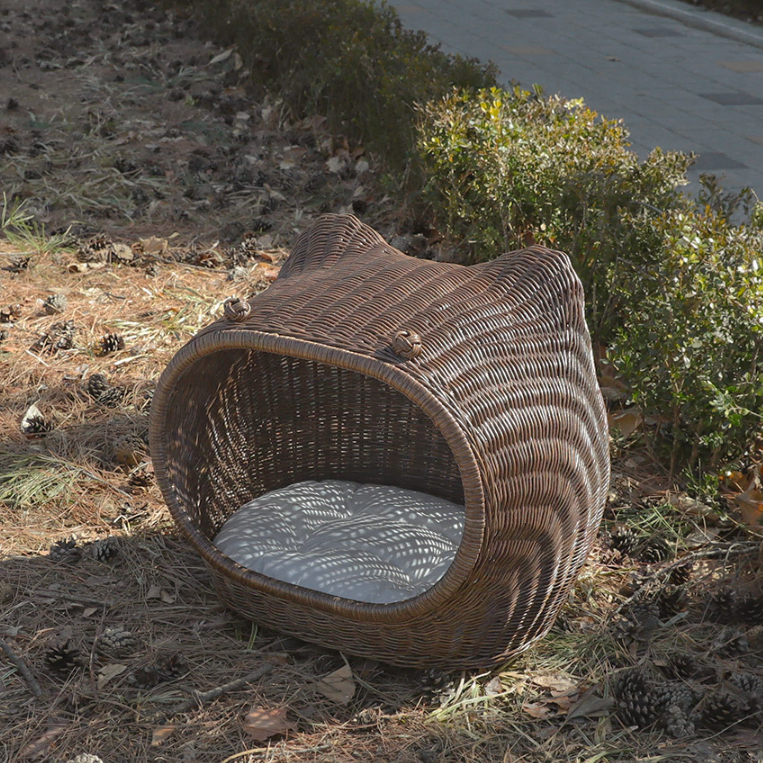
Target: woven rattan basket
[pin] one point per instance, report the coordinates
(474, 384)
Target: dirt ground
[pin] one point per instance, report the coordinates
(144, 184)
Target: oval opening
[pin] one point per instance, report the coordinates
(266, 422)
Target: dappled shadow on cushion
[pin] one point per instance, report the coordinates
(371, 543)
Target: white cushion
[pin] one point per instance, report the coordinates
(371, 543)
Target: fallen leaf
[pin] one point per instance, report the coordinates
(562, 702)
(735, 480)
(40, 747)
(271, 257)
(701, 538)
(626, 422)
(267, 272)
(154, 592)
(261, 723)
(612, 388)
(590, 705)
(123, 253)
(220, 57)
(293, 154)
(160, 734)
(555, 683)
(337, 686)
(693, 507)
(335, 164)
(494, 687)
(109, 672)
(536, 710)
(750, 505)
(154, 245)
(84, 267)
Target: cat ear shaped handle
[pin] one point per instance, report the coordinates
(407, 344)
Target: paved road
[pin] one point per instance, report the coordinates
(680, 77)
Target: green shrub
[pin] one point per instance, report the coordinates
(349, 60)
(673, 288)
(692, 343)
(507, 168)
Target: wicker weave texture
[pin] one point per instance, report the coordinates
(474, 384)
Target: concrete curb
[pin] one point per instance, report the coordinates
(701, 19)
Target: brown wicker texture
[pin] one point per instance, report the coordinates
(475, 384)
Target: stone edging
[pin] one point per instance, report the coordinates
(702, 19)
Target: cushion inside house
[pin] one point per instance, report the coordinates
(370, 543)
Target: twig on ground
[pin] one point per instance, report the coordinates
(71, 597)
(260, 751)
(199, 699)
(22, 668)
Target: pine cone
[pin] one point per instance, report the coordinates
(146, 677)
(752, 688)
(34, 424)
(670, 601)
(654, 550)
(638, 702)
(105, 550)
(63, 657)
(730, 642)
(10, 313)
(128, 450)
(677, 723)
(109, 343)
(140, 479)
(681, 695)
(720, 710)
(97, 249)
(117, 642)
(679, 701)
(143, 403)
(721, 608)
(97, 384)
(113, 397)
(65, 551)
(174, 666)
(54, 304)
(435, 684)
(750, 609)
(680, 666)
(681, 575)
(623, 539)
(165, 669)
(60, 336)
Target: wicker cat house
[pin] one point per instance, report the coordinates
(472, 385)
